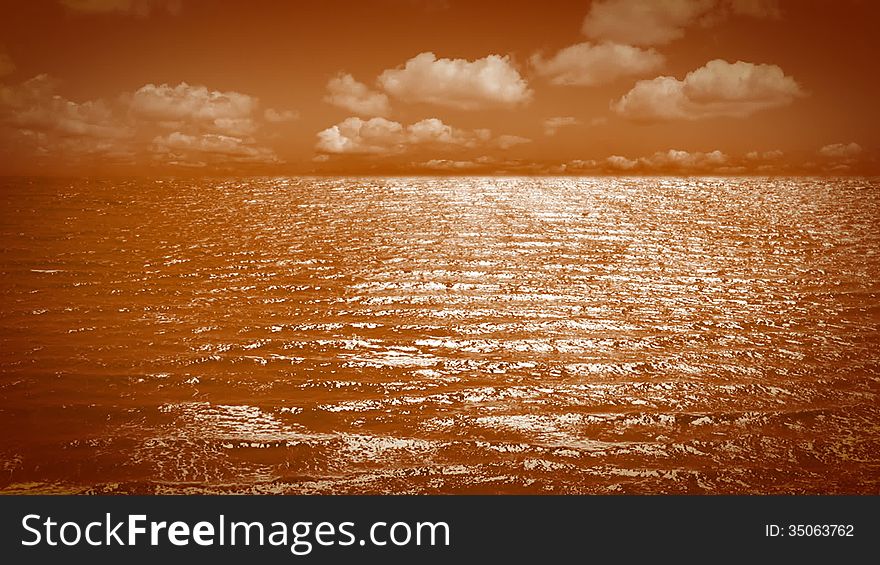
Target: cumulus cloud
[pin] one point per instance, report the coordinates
(716, 89)
(621, 163)
(841, 151)
(653, 22)
(588, 64)
(673, 160)
(457, 83)
(346, 92)
(182, 148)
(228, 113)
(279, 116)
(355, 135)
(552, 125)
(380, 136)
(678, 159)
(140, 8)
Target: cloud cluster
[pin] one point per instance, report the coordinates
(379, 136)
(588, 64)
(457, 83)
(346, 92)
(673, 160)
(717, 89)
(656, 22)
(180, 124)
(36, 110)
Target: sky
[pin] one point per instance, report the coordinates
(222, 87)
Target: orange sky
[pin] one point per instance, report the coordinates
(434, 87)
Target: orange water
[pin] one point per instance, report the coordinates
(522, 335)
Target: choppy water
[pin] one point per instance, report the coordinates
(440, 335)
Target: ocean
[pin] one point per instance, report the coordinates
(440, 335)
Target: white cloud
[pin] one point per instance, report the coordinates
(178, 147)
(754, 8)
(218, 112)
(552, 125)
(379, 136)
(35, 105)
(656, 22)
(671, 161)
(140, 8)
(588, 64)
(621, 163)
(36, 119)
(841, 150)
(678, 159)
(457, 83)
(508, 141)
(279, 116)
(210, 127)
(716, 89)
(773, 155)
(344, 91)
(642, 22)
(354, 135)
(449, 165)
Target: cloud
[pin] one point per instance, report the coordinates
(140, 8)
(344, 91)
(642, 22)
(355, 135)
(656, 22)
(36, 106)
(678, 159)
(673, 160)
(449, 165)
(621, 163)
(508, 141)
(7, 67)
(35, 119)
(588, 64)
(279, 116)
(552, 125)
(228, 113)
(182, 148)
(841, 151)
(773, 155)
(716, 89)
(210, 127)
(754, 8)
(457, 83)
(380, 136)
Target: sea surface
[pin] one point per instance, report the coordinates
(440, 335)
